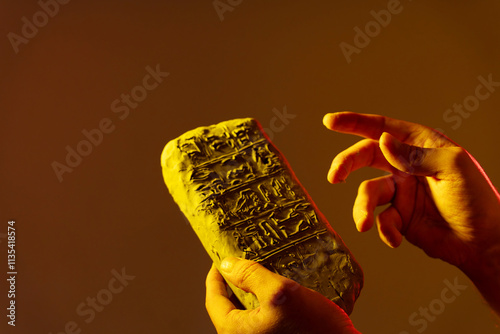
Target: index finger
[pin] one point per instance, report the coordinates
(371, 126)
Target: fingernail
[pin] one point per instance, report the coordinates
(227, 264)
(328, 120)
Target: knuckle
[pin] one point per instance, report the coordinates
(416, 156)
(363, 186)
(245, 270)
(367, 186)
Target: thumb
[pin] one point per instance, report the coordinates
(414, 160)
(252, 277)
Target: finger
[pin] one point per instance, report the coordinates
(417, 160)
(389, 225)
(365, 153)
(217, 302)
(372, 126)
(270, 288)
(369, 126)
(371, 193)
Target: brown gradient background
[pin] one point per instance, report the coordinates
(114, 211)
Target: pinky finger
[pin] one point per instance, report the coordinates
(389, 226)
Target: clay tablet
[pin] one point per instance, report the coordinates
(242, 199)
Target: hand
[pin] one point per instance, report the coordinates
(285, 306)
(441, 199)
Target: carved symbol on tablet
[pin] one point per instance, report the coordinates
(264, 192)
(242, 134)
(242, 243)
(247, 201)
(217, 143)
(213, 207)
(287, 262)
(239, 174)
(252, 234)
(190, 146)
(272, 232)
(282, 188)
(202, 174)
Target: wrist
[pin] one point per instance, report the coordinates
(483, 268)
(484, 259)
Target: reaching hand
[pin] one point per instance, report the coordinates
(441, 199)
(285, 306)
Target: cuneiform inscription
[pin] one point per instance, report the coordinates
(243, 183)
(242, 199)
